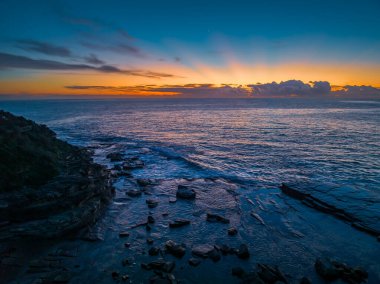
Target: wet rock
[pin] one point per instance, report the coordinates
(243, 252)
(270, 274)
(165, 266)
(150, 219)
(252, 278)
(238, 272)
(127, 245)
(203, 250)
(339, 204)
(214, 255)
(123, 234)
(125, 277)
(145, 182)
(232, 231)
(225, 250)
(172, 200)
(331, 270)
(41, 181)
(194, 261)
(134, 193)
(151, 203)
(216, 218)
(127, 262)
(133, 163)
(175, 249)
(115, 274)
(115, 157)
(179, 223)
(154, 251)
(149, 241)
(305, 280)
(185, 192)
(326, 269)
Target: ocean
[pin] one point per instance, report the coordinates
(253, 146)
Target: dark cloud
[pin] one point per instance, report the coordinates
(120, 48)
(189, 90)
(16, 61)
(290, 88)
(359, 91)
(44, 48)
(177, 59)
(238, 91)
(93, 59)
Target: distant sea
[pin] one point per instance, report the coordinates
(252, 141)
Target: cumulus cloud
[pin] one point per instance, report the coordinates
(358, 91)
(22, 62)
(290, 88)
(44, 48)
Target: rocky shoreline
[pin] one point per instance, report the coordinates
(57, 189)
(152, 231)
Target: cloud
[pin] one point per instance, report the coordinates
(22, 62)
(93, 59)
(188, 90)
(361, 91)
(291, 88)
(282, 89)
(120, 48)
(44, 48)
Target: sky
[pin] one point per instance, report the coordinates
(190, 48)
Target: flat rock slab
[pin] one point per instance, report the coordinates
(359, 208)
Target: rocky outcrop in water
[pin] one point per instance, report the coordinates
(48, 187)
(361, 211)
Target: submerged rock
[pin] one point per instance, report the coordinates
(152, 203)
(185, 192)
(270, 274)
(165, 266)
(243, 252)
(179, 223)
(206, 251)
(175, 249)
(237, 271)
(232, 231)
(194, 261)
(134, 193)
(216, 218)
(154, 251)
(133, 163)
(331, 270)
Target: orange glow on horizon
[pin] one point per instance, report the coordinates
(235, 73)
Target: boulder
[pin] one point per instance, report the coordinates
(185, 192)
(243, 252)
(175, 249)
